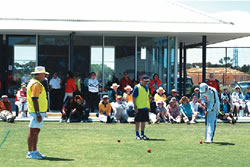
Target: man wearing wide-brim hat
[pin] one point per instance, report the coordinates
(114, 92)
(173, 93)
(37, 107)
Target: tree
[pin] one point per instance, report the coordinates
(226, 61)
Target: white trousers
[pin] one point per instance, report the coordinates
(5, 115)
(21, 106)
(211, 122)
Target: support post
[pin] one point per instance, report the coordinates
(185, 71)
(204, 55)
(180, 68)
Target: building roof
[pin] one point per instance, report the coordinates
(110, 17)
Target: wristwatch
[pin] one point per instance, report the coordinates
(38, 113)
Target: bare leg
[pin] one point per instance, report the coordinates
(137, 125)
(142, 126)
(36, 140)
(31, 139)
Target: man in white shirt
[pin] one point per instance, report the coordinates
(238, 100)
(93, 89)
(55, 86)
(120, 108)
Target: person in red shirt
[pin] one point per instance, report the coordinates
(125, 81)
(21, 101)
(5, 110)
(70, 86)
(214, 82)
(154, 84)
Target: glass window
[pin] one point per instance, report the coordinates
(53, 53)
(119, 58)
(87, 56)
(172, 63)
(152, 58)
(21, 61)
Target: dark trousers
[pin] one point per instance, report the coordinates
(93, 100)
(55, 99)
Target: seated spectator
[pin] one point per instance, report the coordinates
(105, 110)
(196, 94)
(161, 111)
(188, 115)
(225, 112)
(21, 101)
(125, 81)
(173, 93)
(247, 100)
(154, 84)
(173, 111)
(120, 110)
(237, 99)
(5, 110)
(114, 92)
(196, 106)
(225, 93)
(128, 97)
(67, 108)
(160, 96)
(152, 111)
(79, 112)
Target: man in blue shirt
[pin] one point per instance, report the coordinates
(141, 106)
(225, 112)
(247, 99)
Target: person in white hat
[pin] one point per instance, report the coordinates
(37, 106)
(238, 101)
(114, 92)
(120, 108)
(161, 111)
(209, 95)
(105, 110)
(160, 96)
(195, 93)
(5, 110)
(21, 101)
(128, 97)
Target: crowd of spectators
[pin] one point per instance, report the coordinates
(81, 97)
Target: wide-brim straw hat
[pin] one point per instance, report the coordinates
(105, 97)
(174, 90)
(160, 88)
(237, 87)
(119, 97)
(40, 70)
(4, 96)
(114, 84)
(128, 87)
(197, 89)
(173, 100)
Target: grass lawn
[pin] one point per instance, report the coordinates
(95, 144)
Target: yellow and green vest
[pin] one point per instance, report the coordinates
(42, 99)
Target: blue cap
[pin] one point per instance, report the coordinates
(203, 87)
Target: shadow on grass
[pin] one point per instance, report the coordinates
(57, 159)
(156, 140)
(224, 143)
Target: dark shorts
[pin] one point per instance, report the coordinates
(142, 116)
